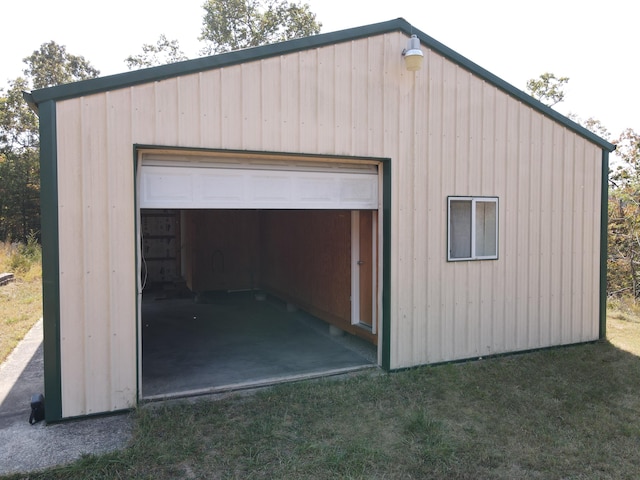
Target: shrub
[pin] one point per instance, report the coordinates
(624, 308)
(22, 259)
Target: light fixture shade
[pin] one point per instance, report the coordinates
(413, 54)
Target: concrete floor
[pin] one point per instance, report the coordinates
(228, 341)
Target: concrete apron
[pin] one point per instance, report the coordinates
(27, 448)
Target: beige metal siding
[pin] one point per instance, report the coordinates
(543, 289)
(446, 133)
(97, 330)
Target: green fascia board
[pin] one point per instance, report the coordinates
(186, 67)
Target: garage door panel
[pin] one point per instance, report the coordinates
(158, 187)
(358, 190)
(274, 188)
(314, 190)
(226, 188)
(175, 186)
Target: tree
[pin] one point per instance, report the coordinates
(623, 277)
(623, 254)
(163, 52)
(236, 24)
(233, 25)
(51, 65)
(547, 88)
(18, 124)
(628, 151)
(19, 195)
(19, 172)
(592, 124)
(19, 139)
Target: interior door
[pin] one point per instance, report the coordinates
(364, 268)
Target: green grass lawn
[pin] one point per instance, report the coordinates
(567, 413)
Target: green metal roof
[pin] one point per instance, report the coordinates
(154, 74)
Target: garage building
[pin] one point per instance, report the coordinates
(308, 208)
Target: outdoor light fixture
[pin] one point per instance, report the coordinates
(413, 55)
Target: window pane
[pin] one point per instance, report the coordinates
(486, 241)
(460, 228)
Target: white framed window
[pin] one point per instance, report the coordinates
(472, 230)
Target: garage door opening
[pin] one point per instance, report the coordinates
(239, 297)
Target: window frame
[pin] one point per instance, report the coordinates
(473, 200)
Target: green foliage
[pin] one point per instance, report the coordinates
(32, 249)
(624, 219)
(236, 24)
(547, 88)
(623, 228)
(19, 164)
(623, 248)
(23, 256)
(592, 124)
(163, 52)
(627, 172)
(19, 137)
(19, 194)
(51, 65)
(19, 264)
(233, 25)
(18, 123)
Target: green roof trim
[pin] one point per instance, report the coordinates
(154, 74)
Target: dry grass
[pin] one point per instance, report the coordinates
(21, 300)
(623, 325)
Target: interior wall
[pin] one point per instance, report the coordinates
(307, 259)
(160, 245)
(221, 250)
(300, 256)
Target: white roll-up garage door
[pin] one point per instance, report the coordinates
(170, 181)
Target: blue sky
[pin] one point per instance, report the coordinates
(595, 43)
